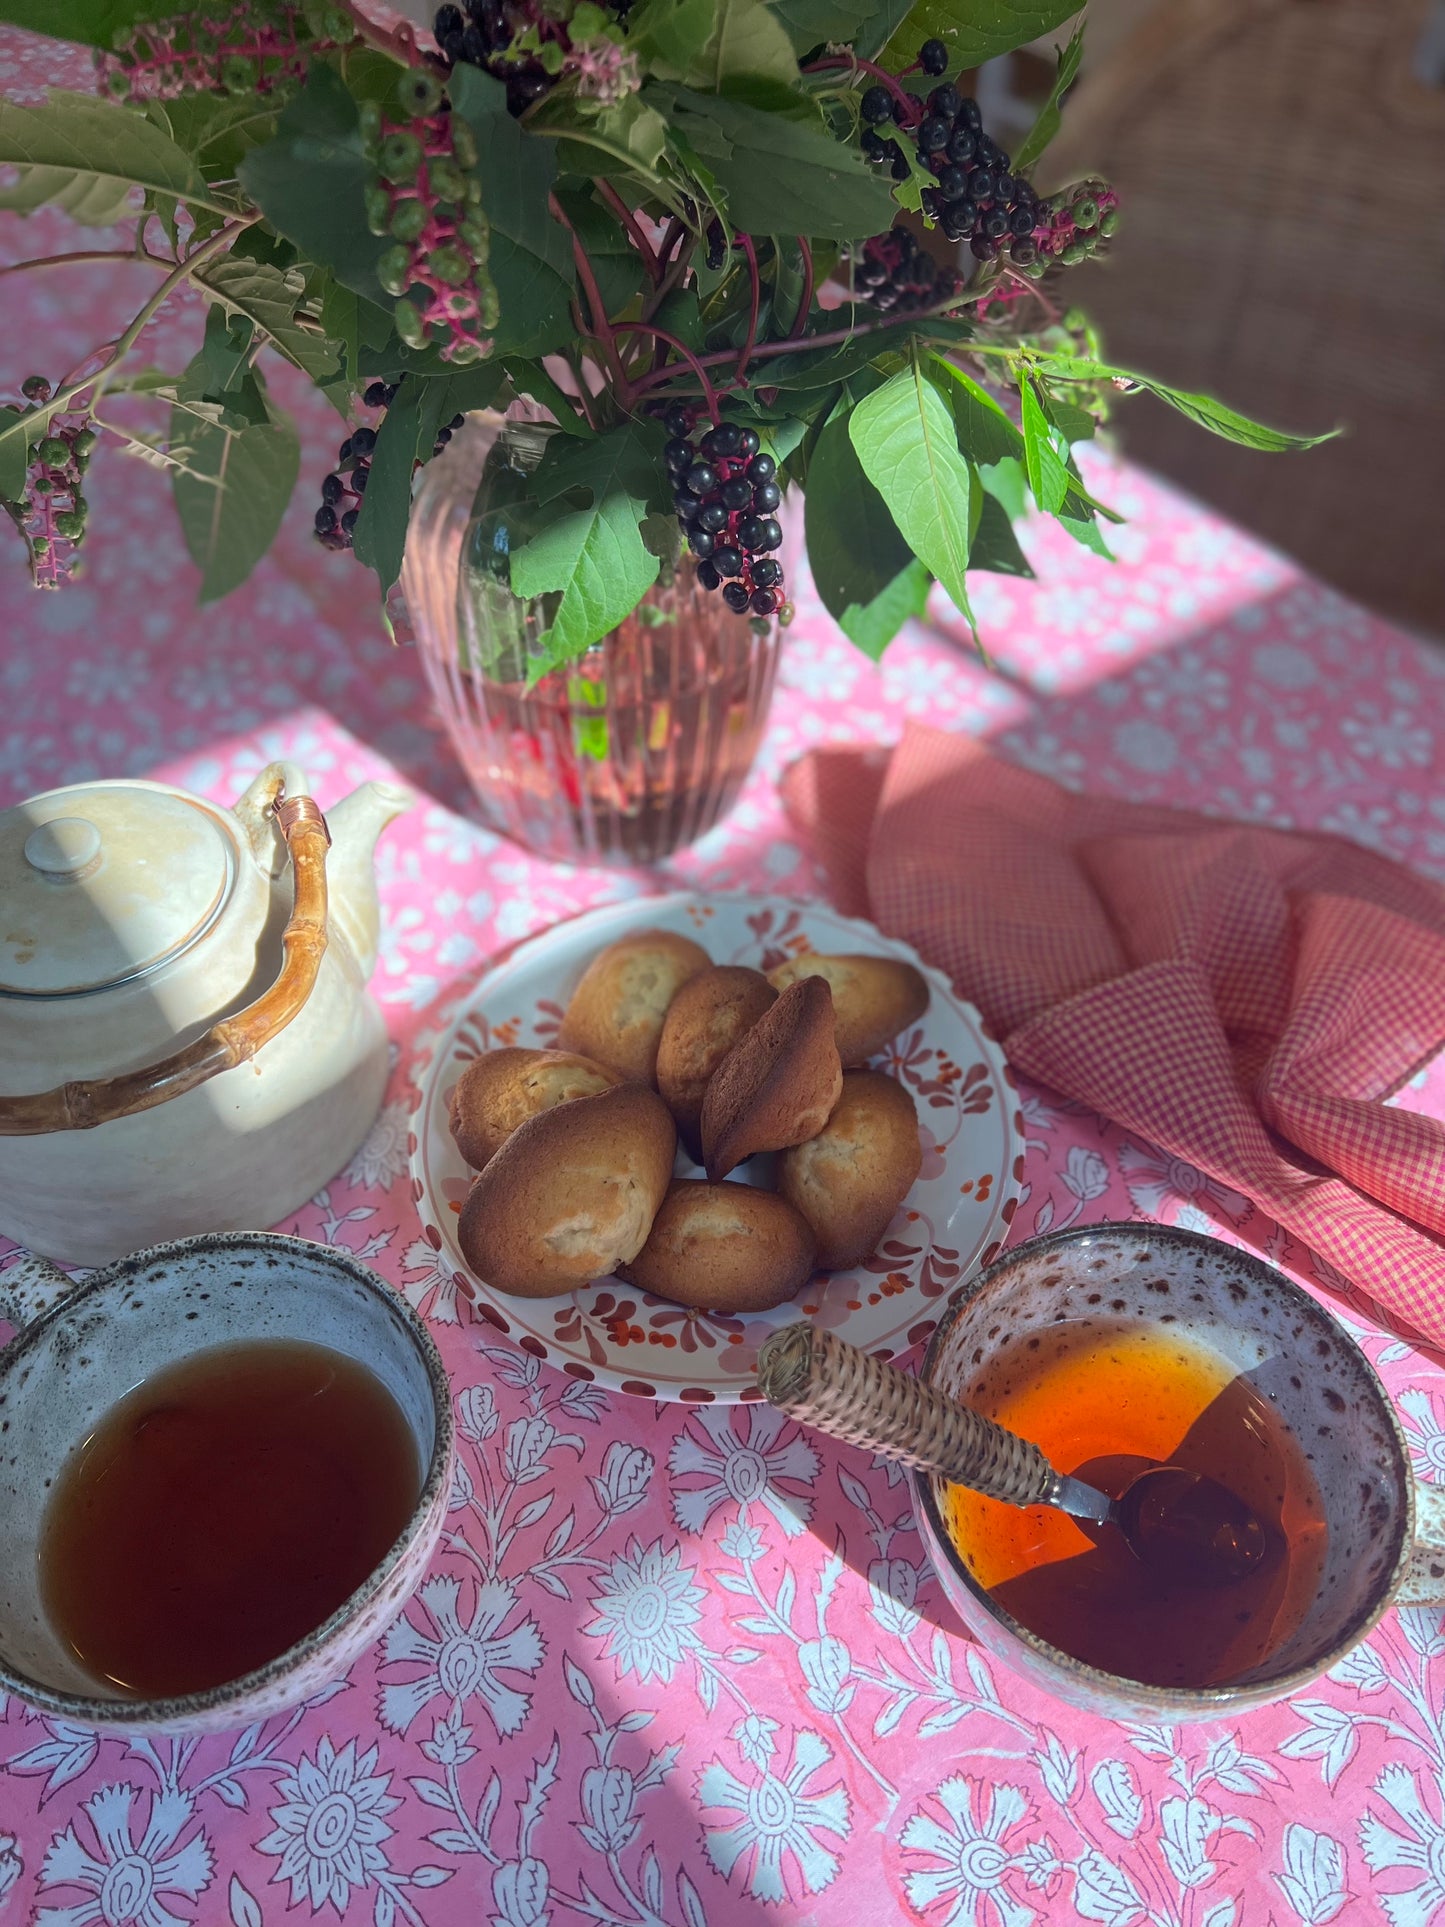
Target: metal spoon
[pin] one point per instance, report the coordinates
(1186, 1527)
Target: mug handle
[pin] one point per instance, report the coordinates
(30, 1288)
(1423, 1580)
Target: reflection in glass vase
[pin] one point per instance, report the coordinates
(627, 754)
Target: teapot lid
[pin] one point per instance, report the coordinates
(102, 882)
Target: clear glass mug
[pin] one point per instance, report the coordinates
(1386, 1531)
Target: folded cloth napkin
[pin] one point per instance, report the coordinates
(1241, 997)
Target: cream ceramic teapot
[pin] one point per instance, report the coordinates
(186, 1039)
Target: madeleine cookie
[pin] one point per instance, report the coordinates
(873, 998)
(723, 1247)
(503, 1088)
(778, 1085)
(850, 1179)
(572, 1193)
(704, 1020)
(617, 1010)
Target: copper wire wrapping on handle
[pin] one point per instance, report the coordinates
(820, 1378)
(82, 1105)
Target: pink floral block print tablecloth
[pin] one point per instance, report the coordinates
(688, 1666)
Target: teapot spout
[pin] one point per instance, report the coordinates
(356, 822)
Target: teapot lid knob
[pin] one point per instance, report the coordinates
(64, 850)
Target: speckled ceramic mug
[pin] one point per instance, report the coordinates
(1386, 1543)
(83, 1346)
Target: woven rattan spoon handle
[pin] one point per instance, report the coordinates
(823, 1380)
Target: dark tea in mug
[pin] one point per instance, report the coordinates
(223, 1510)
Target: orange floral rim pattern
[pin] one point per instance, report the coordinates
(953, 1221)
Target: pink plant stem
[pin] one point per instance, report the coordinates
(673, 234)
(602, 332)
(834, 338)
(710, 393)
(912, 109)
(673, 273)
(745, 242)
(651, 260)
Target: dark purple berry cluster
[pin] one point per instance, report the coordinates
(897, 275)
(341, 492)
(531, 44)
(52, 512)
(976, 198)
(727, 498)
(480, 34)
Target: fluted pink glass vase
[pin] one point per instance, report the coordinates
(626, 755)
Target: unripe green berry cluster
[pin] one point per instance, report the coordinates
(52, 512)
(1081, 219)
(252, 47)
(426, 201)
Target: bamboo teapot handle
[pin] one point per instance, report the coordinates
(235, 1040)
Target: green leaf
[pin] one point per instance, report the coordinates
(812, 23)
(467, 388)
(13, 457)
(341, 318)
(635, 128)
(854, 548)
(905, 440)
(232, 494)
(1049, 117)
(746, 38)
(380, 534)
(531, 255)
(219, 386)
(879, 28)
(783, 174)
(787, 289)
(1008, 484)
(90, 200)
(269, 298)
(87, 153)
(216, 130)
(1227, 423)
(1048, 478)
(309, 182)
(94, 23)
(985, 433)
(975, 30)
(707, 43)
(627, 458)
(595, 556)
(872, 626)
(1083, 528)
(1079, 502)
(531, 378)
(1073, 423)
(995, 546)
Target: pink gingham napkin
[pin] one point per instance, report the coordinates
(1242, 997)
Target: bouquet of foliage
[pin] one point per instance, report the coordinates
(687, 230)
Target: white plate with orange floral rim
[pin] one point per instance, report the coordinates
(953, 1221)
